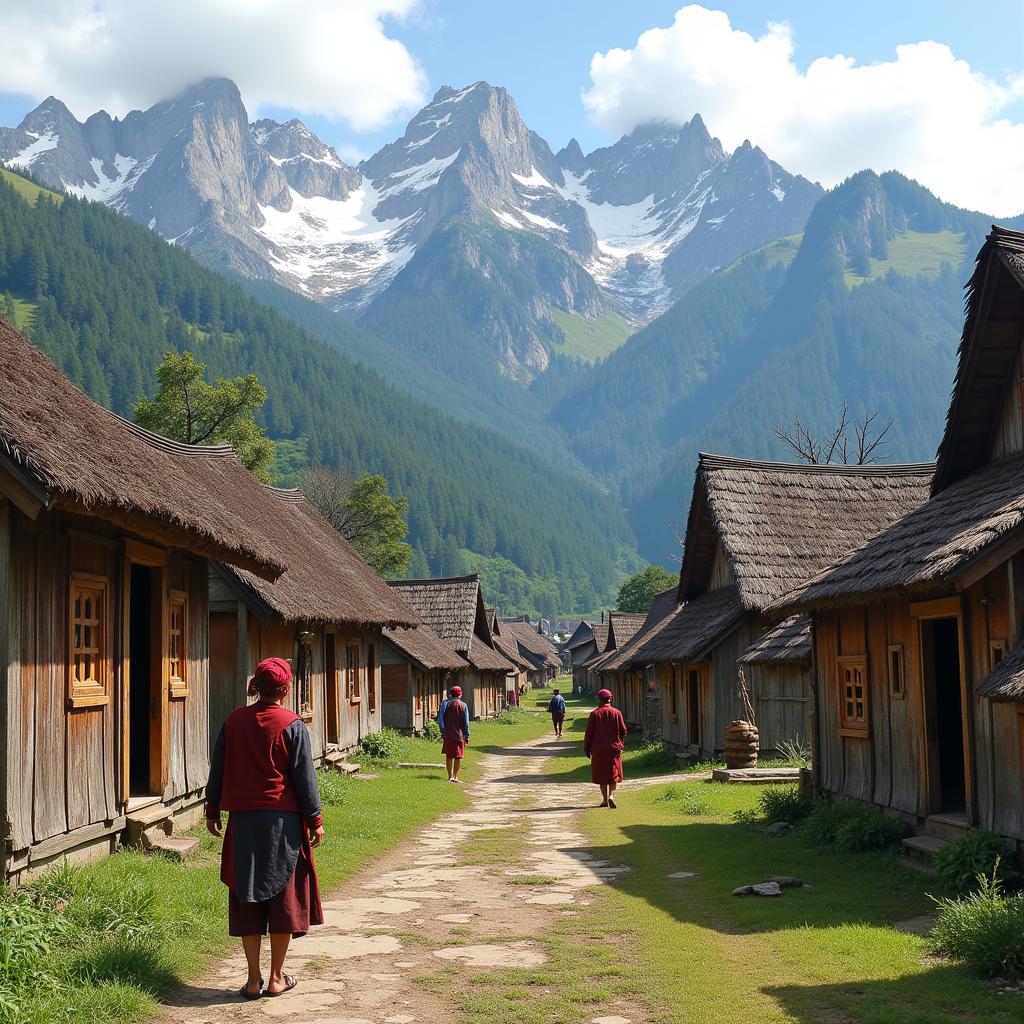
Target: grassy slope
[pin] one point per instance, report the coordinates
(28, 190)
(916, 252)
(590, 338)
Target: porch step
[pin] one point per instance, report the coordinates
(924, 847)
(148, 820)
(945, 826)
(346, 768)
(755, 776)
(178, 847)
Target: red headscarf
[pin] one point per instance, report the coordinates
(271, 678)
(604, 696)
(456, 691)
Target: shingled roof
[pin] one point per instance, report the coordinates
(582, 635)
(530, 642)
(694, 627)
(601, 642)
(993, 322)
(1006, 681)
(788, 640)
(506, 645)
(423, 646)
(453, 607)
(59, 449)
(663, 606)
(933, 544)
(780, 523)
(325, 579)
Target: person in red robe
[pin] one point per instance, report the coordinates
(603, 743)
(262, 774)
(453, 717)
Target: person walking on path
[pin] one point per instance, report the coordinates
(556, 708)
(603, 743)
(262, 775)
(453, 718)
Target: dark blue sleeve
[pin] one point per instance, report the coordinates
(303, 774)
(440, 714)
(465, 720)
(215, 783)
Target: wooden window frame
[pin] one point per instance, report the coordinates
(371, 672)
(83, 695)
(858, 728)
(353, 683)
(177, 685)
(996, 653)
(674, 687)
(897, 679)
(693, 681)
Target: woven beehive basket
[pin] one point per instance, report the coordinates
(742, 744)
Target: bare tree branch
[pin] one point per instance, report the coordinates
(837, 447)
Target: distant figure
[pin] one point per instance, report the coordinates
(556, 707)
(262, 774)
(453, 718)
(603, 744)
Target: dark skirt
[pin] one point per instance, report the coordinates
(294, 909)
(452, 747)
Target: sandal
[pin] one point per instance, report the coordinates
(290, 981)
(246, 994)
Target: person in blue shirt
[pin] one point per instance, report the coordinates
(556, 708)
(453, 718)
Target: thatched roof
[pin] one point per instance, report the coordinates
(601, 642)
(788, 640)
(325, 579)
(1005, 682)
(988, 351)
(694, 628)
(423, 646)
(58, 448)
(532, 645)
(932, 545)
(506, 645)
(780, 523)
(453, 607)
(657, 618)
(582, 635)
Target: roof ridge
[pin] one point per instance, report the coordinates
(709, 460)
(472, 578)
(287, 495)
(172, 447)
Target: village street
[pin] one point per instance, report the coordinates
(468, 893)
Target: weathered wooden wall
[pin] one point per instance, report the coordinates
(781, 694)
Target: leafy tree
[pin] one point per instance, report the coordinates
(187, 407)
(363, 512)
(637, 593)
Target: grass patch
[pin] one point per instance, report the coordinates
(915, 253)
(28, 190)
(590, 338)
(532, 880)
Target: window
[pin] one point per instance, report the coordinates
(996, 652)
(693, 707)
(897, 672)
(853, 695)
(673, 694)
(371, 681)
(352, 681)
(177, 644)
(88, 665)
(304, 674)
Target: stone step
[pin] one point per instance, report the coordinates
(923, 846)
(347, 768)
(178, 847)
(152, 819)
(755, 776)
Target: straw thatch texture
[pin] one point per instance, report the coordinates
(79, 455)
(325, 579)
(1006, 681)
(657, 618)
(506, 645)
(781, 523)
(423, 646)
(932, 544)
(987, 353)
(694, 627)
(532, 644)
(788, 640)
(581, 635)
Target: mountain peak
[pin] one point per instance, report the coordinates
(570, 158)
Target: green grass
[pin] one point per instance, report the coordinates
(28, 190)
(782, 250)
(590, 338)
(915, 253)
(24, 314)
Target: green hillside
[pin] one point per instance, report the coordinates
(913, 253)
(111, 298)
(28, 190)
(589, 338)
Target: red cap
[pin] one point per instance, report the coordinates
(457, 691)
(272, 675)
(605, 695)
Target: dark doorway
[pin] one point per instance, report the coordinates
(940, 643)
(140, 659)
(693, 707)
(333, 694)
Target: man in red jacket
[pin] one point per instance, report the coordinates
(262, 774)
(603, 743)
(453, 717)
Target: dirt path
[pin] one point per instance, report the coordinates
(466, 893)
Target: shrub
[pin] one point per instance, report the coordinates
(960, 862)
(782, 803)
(381, 745)
(795, 751)
(864, 828)
(824, 820)
(984, 930)
(432, 732)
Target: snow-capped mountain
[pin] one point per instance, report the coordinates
(645, 218)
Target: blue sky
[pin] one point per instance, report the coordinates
(361, 87)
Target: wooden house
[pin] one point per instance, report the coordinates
(519, 677)
(917, 636)
(590, 681)
(539, 652)
(627, 687)
(755, 530)
(581, 647)
(417, 668)
(325, 615)
(453, 607)
(105, 533)
(634, 682)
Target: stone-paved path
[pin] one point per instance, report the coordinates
(359, 968)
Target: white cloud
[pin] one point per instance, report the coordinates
(323, 57)
(925, 113)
